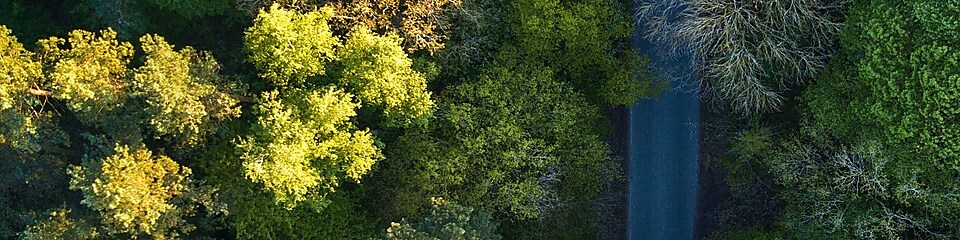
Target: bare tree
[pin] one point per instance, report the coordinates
(749, 51)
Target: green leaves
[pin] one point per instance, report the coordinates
(585, 42)
(289, 47)
(195, 8)
(894, 87)
(304, 144)
(503, 144)
(904, 84)
(446, 221)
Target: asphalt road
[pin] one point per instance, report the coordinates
(664, 154)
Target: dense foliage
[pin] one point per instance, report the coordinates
(874, 153)
(896, 84)
(446, 221)
(316, 120)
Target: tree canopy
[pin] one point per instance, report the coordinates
(183, 90)
(294, 119)
(304, 144)
(135, 191)
(289, 47)
(895, 85)
(446, 221)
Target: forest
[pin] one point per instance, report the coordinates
(469, 119)
(298, 119)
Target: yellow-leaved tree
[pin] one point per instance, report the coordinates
(138, 193)
(306, 140)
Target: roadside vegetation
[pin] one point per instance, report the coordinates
(842, 122)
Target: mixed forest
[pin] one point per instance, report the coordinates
(468, 119)
(825, 119)
(301, 119)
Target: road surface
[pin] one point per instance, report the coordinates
(664, 154)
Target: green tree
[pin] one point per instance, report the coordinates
(255, 216)
(586, 43)
(446, 221)
(304, 144)
(516, 143)
(194, 8)
(895, 84)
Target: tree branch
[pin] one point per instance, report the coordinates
(39, 93)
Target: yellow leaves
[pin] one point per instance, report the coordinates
(17, 70)
(354, 152)
(131, 188)
(303, 144)
(18, 73)
(420, 22)
(181, 88)
(59, 226)
(90, 74)
(289, 47)
(381, 74)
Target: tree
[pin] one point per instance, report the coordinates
(749, 52)
(88, 72)
(255, 216)
(183, 90)
(309, 162)
(373, 67)
(856, 192)
(304, 144)
(516, 143)
(77, 94)
(380, 73)
(254, 213)
(194, 8)
(446, 221)
(422, 23)
(136, 192)
(60, 226)
(894, 85)
(289, 47)
(19, 74)
(586, 43)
